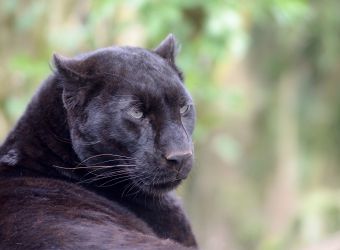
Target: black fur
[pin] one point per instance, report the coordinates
(117, 122)
(64, 216)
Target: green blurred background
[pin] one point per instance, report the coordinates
(265, 78)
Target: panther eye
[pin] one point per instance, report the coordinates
(135, 113)
(184, 109)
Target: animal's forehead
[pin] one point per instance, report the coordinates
(131, 63)
(138, 69)
(138, 72)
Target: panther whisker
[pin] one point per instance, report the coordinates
(134, 184)
(113, 160)
(93, 166)
(97, 178)
(111, 185)
(139, 190)
(100, 169)
(127, 189)
(118, 165)
(128, 177)
(99, 155)
(109, 170)
(106, 170)
(108, 174)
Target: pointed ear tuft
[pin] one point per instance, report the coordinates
(60, 63)
(168, 48)
(68, 67)
(58, 60)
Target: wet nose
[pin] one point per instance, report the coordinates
(178, 157)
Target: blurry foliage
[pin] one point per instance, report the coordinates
(264, 76)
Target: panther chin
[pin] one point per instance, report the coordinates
(159, 188)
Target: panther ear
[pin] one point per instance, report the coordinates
(69, 67)
(168, 48)
(74, 80)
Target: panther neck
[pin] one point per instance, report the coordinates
(40, 139)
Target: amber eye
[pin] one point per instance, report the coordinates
(184, 109)
(135, 113)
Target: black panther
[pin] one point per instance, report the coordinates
(93, 160)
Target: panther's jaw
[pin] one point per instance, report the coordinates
(159, 188)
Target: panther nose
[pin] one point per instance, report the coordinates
(178, 157)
